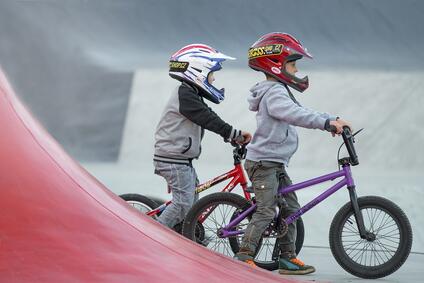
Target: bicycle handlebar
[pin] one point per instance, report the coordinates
(349, 141)
(239, 151)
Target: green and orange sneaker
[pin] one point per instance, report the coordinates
(250, 262)
(293, 266)
(245, 256)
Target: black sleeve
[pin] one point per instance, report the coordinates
(193, 108)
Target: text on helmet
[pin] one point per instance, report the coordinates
(175, 66)
(273, 49)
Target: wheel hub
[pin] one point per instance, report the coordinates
(370, 237)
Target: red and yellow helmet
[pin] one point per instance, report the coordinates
(271, 52)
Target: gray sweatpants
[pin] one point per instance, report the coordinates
(266, 178)
(182, 181)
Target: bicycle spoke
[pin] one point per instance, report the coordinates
(362, 253)
(387, 246)
(378, 253)
(265, 252)
(387, 218)
(386, 252)
(217, 218)
(358, 251)
(354, 246)
(351, 227)
(389, 239)
(372, 219)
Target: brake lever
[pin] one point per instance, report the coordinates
(357, 132)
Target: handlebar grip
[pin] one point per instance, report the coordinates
(349, 140)
(239, 139)
(332, 129)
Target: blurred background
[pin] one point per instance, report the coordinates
(95, 74)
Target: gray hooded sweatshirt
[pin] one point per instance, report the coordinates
(277, 115)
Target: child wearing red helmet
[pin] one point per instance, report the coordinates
(275, 141)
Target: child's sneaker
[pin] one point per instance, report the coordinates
(244, 256)
(293, 266)
(250, 262)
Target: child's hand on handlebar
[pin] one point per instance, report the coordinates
(345, 123)
(243, 138)
(337, 126)
(247, 137)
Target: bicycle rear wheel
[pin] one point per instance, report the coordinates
(145, 204)
(140, 202)
(387, 247)
(220, 209)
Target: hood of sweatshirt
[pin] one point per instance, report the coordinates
(257, 92)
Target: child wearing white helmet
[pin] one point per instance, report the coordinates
(181, 127)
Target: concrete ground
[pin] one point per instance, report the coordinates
(328, 269)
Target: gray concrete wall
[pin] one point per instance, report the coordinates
(73, 61)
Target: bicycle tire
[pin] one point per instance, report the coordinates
(300, 234)
(140, 202)
(346, 248)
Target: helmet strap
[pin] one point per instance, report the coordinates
(291, 95)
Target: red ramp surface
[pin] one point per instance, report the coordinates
(59, 224)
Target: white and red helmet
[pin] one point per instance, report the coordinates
(193, 63)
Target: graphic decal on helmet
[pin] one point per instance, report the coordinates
(276, 70)
(175, 66)
(273, 49)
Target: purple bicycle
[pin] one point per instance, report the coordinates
(370, 236)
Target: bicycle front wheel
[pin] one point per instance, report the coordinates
(388, 243)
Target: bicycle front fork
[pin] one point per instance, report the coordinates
(358, 214)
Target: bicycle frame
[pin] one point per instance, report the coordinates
(345, 172)
(236, 175)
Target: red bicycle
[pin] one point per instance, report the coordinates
(237, 177)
